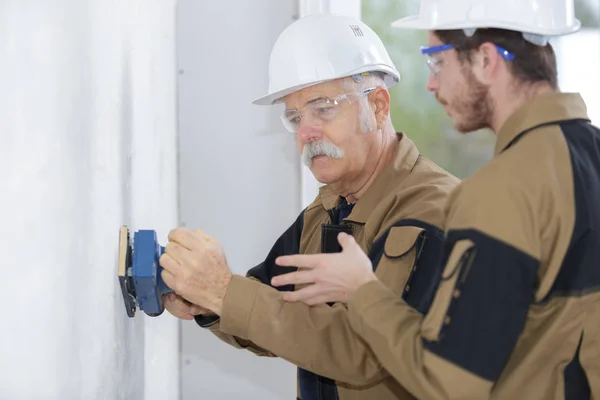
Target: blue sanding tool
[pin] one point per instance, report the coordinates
(140, 273)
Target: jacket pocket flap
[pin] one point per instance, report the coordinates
(460, 250)
(401, 240)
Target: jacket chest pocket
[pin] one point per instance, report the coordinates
(329, 237)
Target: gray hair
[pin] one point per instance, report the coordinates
(365, 114)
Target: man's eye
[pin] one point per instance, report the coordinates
(324, 110)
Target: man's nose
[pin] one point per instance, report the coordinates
(433, 84)
(308, 133)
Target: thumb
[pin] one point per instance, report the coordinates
(346, 241)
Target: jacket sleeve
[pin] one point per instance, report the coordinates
(320, 339)
(461, 347)
(213, 324)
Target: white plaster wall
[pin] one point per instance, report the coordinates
(239, 173)
(87, 122)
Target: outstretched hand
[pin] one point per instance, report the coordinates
(332, 277)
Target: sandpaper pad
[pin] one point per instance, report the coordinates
(123, 271)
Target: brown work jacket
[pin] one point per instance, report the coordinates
(398, 222)
(517, 312)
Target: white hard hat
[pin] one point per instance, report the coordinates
(537, 19)
(323, 47)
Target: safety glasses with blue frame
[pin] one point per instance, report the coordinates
(434, 63)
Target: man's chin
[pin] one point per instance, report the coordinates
(467, 128)
(461, 128)
(324, 179)
(323, 171)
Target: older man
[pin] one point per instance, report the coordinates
(333, 74)
(517, 313)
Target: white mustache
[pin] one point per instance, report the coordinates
(320, 148)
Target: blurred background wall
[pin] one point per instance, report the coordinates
(416, 112)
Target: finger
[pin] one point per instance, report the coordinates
(169, 263)
(177, 303)
(169, 280)
(302, 260)
(178, 252)
(347, 241)
(294, 278)
(184, 237)
(174, 305)
(304, 294)
(185, 306)
(177, 314)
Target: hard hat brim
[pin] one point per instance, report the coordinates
(392, 77)
(272, 98)
(414, 22)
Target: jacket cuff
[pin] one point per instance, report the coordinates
(237, 306)
(206, 321)
(367, 296)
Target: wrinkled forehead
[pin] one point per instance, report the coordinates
(311, 94)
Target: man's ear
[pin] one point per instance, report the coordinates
(380, 100)
(485, 63)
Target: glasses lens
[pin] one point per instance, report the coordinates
(323, 111)
(291, 122)
(433, 64)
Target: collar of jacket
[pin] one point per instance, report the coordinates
(542, 110)
(387, 181)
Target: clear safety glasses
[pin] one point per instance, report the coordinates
(435, 64)
(320, 111)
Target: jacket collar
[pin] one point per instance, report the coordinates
(542, 110)
(387, 182)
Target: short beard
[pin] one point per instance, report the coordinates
(475, 108)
